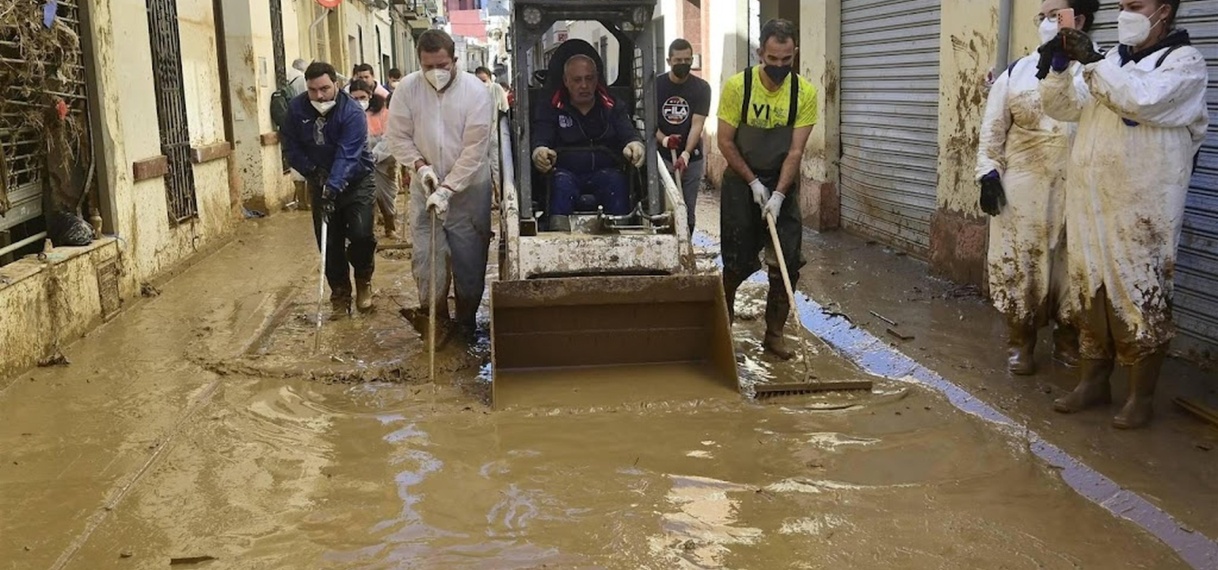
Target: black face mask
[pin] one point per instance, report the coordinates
(681, 70)
(778, 73)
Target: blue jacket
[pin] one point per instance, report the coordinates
(343, 150)
(559, 125)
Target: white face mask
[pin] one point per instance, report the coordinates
(1048, 30)
(438, 78)
(1134, 28)
(323, 107)
(364, 104)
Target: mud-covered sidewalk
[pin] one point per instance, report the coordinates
(200, 428)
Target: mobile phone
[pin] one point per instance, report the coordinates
(1065, 18)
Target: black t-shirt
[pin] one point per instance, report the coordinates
(679, 102)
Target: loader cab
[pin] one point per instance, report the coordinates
(538, 82)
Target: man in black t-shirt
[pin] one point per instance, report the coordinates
(683, 104)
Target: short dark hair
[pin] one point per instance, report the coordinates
(483, 69)
(363, 67)
(394, 73)
(679, 44)
(1086, 8)
(779, 30)
(318, 69)
(434, 40)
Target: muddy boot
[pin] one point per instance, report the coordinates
(340, 301)
(1092, 387)
(363, 294)
(731, 282)
(777, 307)
(1021, 346)
(1139, 407)
(1065, 345)
(391, 228)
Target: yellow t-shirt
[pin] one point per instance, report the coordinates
(767, 109)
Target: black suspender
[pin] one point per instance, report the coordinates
(792, 108)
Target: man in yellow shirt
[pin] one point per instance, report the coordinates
(765, 116)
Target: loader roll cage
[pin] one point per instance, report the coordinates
(630, 22)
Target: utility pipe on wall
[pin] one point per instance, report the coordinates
(1004, 36)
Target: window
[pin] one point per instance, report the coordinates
(171, 108)
(281, 63)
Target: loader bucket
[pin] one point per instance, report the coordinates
(603, 340)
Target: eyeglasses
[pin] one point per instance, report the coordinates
(1040, 18)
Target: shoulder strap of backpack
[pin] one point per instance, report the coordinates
(1163, 57)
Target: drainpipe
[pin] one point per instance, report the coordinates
(1004, 36)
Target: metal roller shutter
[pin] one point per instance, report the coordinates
(1196, 296)
(890, 119)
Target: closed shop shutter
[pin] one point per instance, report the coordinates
(890, 118)
(1196, 296)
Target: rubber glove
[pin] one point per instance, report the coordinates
(682, 161)
(428, 178)
(773, 205)
(438, 201)
(1049, 52)
(671, 142)
(1079, 47)
(761, 194)
(993, 197)
(634, 153)
(544, 158)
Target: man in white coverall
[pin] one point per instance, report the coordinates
(1021, 168)
(1141, 119)
(440, 124)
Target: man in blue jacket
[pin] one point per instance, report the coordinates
(582, 114)
(325, 138)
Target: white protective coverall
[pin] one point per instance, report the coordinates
(1029, 150)
(450, 130)
(1127, 183)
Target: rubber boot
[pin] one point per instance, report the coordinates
(1021, 346)
(363, 294)
(731, 282)
(777, 307)
(1139, 407)
(1092, 387)
(340, 300)
(1065, 344)
(466, 320)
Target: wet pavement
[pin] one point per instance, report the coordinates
(199, 426)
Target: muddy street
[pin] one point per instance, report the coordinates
(199, 429)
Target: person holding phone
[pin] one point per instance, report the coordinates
(1141, 119)
(1021, 168)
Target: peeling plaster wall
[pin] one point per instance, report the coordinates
(150, 245)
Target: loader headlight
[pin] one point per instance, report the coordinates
(532, 16)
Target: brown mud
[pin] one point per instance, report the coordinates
(201, 424)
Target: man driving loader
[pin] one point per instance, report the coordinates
(583, 114)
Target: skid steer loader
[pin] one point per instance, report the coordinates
(593, 308)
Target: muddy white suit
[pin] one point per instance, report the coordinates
(450, 130)
(1027, 248)
(1141, 122)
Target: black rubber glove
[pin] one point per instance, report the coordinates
(328, 196)
(1079, 46)
(318, 178)
(1046, 52)
(993, 197)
